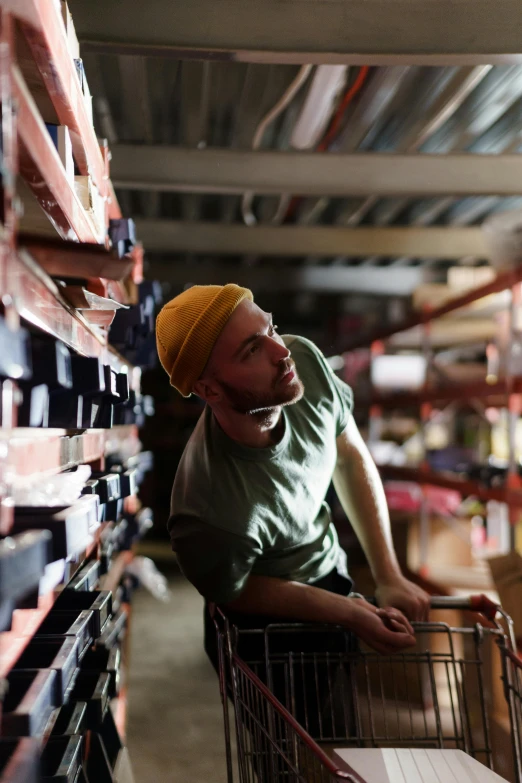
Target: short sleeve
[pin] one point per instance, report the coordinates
(217, 562)
(343, 394)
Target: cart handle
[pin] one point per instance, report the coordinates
(474, 603)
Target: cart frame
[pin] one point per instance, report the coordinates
(352, 698)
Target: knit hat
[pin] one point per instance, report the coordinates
(188, 326)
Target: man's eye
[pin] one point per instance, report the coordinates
(254, 349)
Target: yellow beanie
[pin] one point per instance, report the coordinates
(188, 326)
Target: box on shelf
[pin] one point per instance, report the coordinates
(93, 203)
(399, 373)
(449, 543)
(432, 295)
(122, 233)
(72, 39)
(388, 765)
(465, 278)
(62, 141)
(506, 571)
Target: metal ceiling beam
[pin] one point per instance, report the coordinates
(281, 278)
(180, 169)
(369, 32)
(169, 236)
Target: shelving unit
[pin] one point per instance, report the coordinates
(426, 477)
(44, 30)
(492, 394)
(501, 389)
(41, 168)
(503, 281)
(39, 84)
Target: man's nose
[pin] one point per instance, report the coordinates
(279, 352)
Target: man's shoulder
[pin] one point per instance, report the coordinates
(296, 342)
(204, 470)
(196, 457)
(309, 359)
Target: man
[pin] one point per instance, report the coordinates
(248, 521)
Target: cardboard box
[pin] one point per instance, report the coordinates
(93, 203)
(413, 765)
(448, 544)
(506, 571)
(431, 294)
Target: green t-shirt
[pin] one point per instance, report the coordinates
(238, 510)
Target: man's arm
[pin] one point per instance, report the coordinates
(219, 565)
(359, 488)
(385, 630)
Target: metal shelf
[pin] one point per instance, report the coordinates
(44, 31)
(27, 621)
(503, 281)
(61, 258)
(29, 450)
(36, 298)
(466, 487)
(495, 394)
(30, 294)
(42, 169)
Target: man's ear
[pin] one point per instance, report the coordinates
(207, 390)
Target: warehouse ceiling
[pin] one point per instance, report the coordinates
(142, 99)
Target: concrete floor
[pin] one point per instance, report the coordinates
(175, 725)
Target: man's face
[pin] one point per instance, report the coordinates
(250, 364)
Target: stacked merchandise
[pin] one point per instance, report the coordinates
(71, 406)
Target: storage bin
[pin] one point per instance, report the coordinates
(94, 689)
(28, 703)
(71, 528)
(86, 578)
(69, 719)
(77, 625)
(22, 564)
(103, 660)
(113, 631)
(59, 653)
(97, 601)
(61, 760)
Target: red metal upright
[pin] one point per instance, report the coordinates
(44, 30)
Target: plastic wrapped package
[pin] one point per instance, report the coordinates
(60, 489)
(145, 571)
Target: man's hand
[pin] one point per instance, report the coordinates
(406, 596)
(385, 630)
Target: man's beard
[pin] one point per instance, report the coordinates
(258, 404)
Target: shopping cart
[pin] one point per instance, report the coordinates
(293, 706)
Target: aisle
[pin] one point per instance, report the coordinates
(175, 731)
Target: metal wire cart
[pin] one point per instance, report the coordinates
(294, 703)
